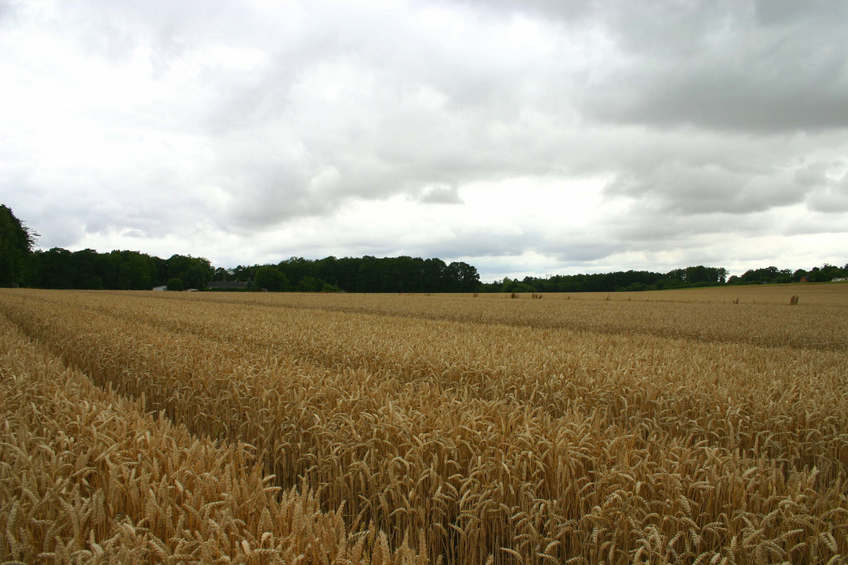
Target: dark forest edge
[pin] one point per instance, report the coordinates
(132, 270)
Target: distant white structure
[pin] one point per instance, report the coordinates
(839, 279)
(160, 288)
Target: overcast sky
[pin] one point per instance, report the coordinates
(524, 137)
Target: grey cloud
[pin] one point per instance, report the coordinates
(63, 233)
(276, 196)
(827, 222)
(138, 234)
(473, 243)
(583, 249)
(563, 10)
(749, 98)
(813, 174)
(573, 248)
(830, 197)
(114, 29)
(727, 66)
(410, 113)
(709, 117)
(643, 227)
(789, 12)
(6, 10)
(155, 204)
(380, 154)
(687, 189)
(65, 228)
(440, 194)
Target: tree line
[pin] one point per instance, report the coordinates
(773, 275)
(361, 274)
(59, 268)
(678, 278)
(613, 282)
(132, 270)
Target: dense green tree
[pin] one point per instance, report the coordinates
(296, 268)
(270, 278)
(243, 273)
(56, 268)
(136, 270)
(195, 272)
(514, 285)
(826, 273)
(222, 274)
(432, 271)
(765, 275)
(697, 276)
(16, 242)
(86, 266)
(310, 284)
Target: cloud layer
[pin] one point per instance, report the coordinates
(524, 137)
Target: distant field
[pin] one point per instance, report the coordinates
(699, 425)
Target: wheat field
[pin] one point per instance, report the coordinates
(692, 426)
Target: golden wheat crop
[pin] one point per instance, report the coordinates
(744, 314)
(86, 477)
(560, 430)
